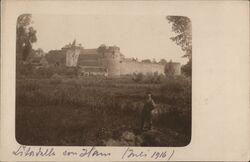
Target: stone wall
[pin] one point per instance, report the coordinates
(109, 59)
(128, 67)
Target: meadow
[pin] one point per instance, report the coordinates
(73, 111)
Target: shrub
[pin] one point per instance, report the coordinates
(70, 71)
(44, 72)
(31, 86)
(24, 69)
(187, 69)
(56, 79)
(149, 78)
(177, 91)
(153, 78)
(137, 77)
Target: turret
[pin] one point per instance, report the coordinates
(72, 53)
(110, 58)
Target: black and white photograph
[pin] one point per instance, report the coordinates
(124, 80)
(103, 80)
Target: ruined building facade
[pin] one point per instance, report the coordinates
(104, 59)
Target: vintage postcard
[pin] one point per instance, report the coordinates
(124, 81)
(132, 94)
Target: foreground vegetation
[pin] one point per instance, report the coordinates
(87, 111)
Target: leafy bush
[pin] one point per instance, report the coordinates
(149, 78)
(44, 72)
(28, 85)
(70, 71)
(154, 78)
(56, 79)
(187, 69)
(177, 93)
(137, 77)
(23, 69)
(177, 90)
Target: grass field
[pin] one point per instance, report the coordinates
(86, 111)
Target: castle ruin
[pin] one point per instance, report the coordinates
(104, 59)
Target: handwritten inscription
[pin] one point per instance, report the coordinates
(165, 154)
(30, 152)
(128, 153)
(93, 152)
(134, 153)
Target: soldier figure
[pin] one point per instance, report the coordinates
(146, 117)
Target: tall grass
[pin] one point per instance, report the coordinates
(96, 102)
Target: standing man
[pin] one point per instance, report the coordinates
(146, 118)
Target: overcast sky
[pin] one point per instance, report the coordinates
(138, 36)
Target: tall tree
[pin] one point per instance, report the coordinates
(25, 36)
(187, 68)
(182, 27)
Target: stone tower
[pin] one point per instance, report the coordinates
(72, 54)
(177, 68)
(110, 58)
